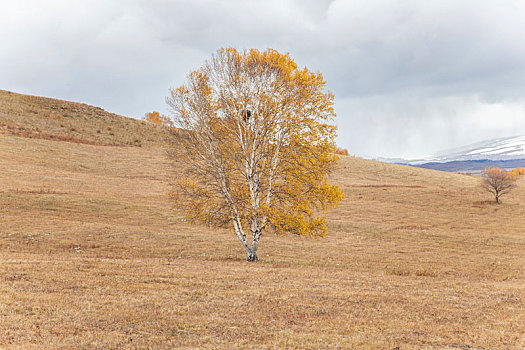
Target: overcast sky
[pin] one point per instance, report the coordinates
(410, 77)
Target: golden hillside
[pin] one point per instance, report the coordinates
(46, 118)
(93, 256)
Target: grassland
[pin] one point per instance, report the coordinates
(93, 256)
(51, 119)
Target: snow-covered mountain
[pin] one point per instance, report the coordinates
(505, 153)
(497, 149)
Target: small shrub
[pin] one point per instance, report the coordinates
(498, 182)
(341, 151)
(518, 171)
(157, 118)
(426, 273)
(397, 271)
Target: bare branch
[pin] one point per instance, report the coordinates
(498, 182)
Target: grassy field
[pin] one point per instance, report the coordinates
(51, 119)
(93, 256)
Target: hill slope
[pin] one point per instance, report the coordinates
(93, 256)
(46, 118)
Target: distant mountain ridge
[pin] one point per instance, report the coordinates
(506, 152)
(497, 149)
(473, 166)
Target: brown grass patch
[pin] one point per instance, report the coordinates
(93, 256)
(387, 186)
(36, 134)
(412, 227)
(484, 203)
(57, 120)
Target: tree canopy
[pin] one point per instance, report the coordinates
(256, 147)
(157, 118)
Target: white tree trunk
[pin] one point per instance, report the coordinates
(252, 254)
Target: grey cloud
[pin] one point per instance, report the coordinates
(421, 126)
(446, 48)
(410, 77)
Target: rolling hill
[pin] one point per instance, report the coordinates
(94, 256)
(46, 118)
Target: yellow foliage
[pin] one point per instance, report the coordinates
(341, 151)
(156, 118)
(498, 173)
(518, 171)
(259, 144)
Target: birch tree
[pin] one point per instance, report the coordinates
(256, 146)
(498, 182)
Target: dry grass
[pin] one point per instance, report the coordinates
(93, 256)
(51, 119)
